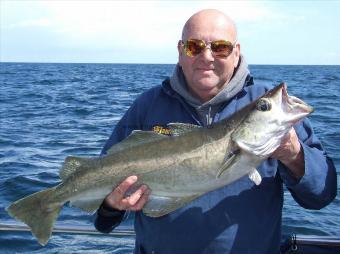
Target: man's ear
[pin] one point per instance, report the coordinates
(237, 53)
(180, 47)
(180, 51)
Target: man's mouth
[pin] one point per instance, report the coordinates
(205, 69)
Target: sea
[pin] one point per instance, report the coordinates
(51, 110)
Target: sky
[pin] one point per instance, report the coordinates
(270, 32)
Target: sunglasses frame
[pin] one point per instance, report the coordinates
(207, 44)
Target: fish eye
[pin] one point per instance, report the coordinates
(263, 105)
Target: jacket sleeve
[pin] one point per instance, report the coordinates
(318, 187)
(106, 218)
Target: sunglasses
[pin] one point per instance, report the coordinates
(219, 48)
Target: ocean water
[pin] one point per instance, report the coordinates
(50, 111)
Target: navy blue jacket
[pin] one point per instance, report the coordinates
(240, 217)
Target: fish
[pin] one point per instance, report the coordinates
(178, 168)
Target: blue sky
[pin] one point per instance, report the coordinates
(270, 32)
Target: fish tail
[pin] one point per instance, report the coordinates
(38, 212)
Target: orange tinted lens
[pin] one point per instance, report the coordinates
(222, 47)
(194, 47)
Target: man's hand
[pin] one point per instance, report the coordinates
(290, 153)
(134, 202)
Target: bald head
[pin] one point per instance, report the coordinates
(209, 20)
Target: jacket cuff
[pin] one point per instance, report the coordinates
(313, 160)
(106, 211)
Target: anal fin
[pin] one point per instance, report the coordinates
(89, 206)
(158, 206)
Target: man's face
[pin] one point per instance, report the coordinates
(205, 74)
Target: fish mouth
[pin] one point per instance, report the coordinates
(261, 132)
(292, 106)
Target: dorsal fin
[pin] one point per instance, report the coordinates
(178, 129)
(72, 164)
(136, 138)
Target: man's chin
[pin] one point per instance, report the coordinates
(207, 83)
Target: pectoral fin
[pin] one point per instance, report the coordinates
(158, 206)
(230, 160)
(255, 176)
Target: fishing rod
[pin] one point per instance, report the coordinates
(87, 230)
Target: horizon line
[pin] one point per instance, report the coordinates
(276, 64)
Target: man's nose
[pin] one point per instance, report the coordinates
(207, 54)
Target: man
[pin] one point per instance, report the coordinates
(210, 82)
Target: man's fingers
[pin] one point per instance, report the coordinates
(141, 202)
(287, 137)
(120, 190)
(135, 197)
(118, 199)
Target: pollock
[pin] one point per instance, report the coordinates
(178, 168)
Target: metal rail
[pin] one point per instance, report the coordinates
(314, 240)
(88, 230)
(333, 241)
